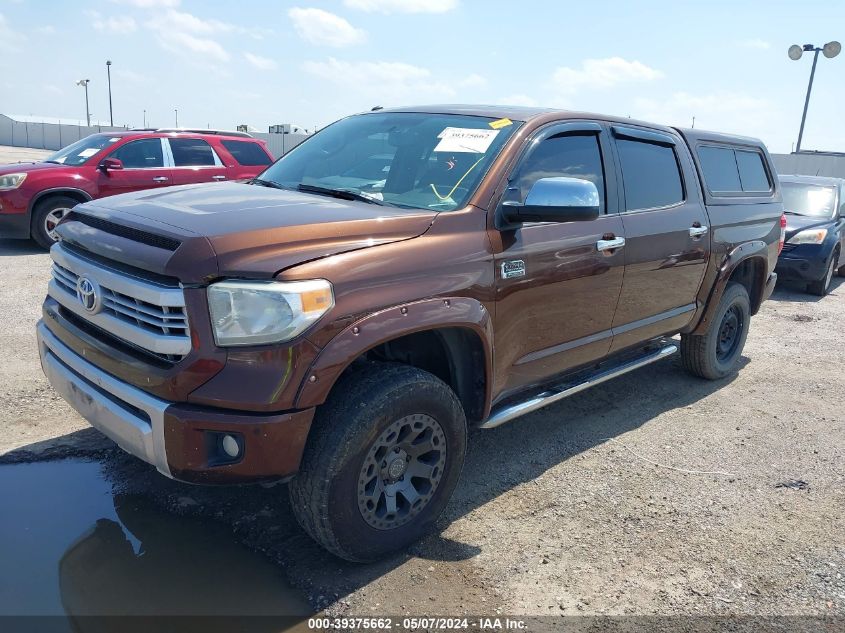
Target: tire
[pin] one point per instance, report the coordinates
(822, 286)
(45, 216)
(340, 496)
(715, 354)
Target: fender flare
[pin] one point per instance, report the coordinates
(756, 249)
(385, 325)
(56, 190)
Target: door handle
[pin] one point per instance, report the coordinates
(218, 177)
(696, 230)
(161, 179)
(611, 244)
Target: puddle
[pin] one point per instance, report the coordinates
(70, 549)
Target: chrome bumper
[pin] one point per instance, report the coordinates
(131, 417)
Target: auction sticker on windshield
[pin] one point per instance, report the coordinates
(462, 139)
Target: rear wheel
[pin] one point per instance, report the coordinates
(47, 215)
(822, 286)
(715, 353)
(383, 459)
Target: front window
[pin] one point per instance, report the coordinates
(812, 200)
(81, 151)
(403, 159)
(145, 153)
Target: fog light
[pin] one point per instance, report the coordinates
(230, 446)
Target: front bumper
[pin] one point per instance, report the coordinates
(179, 440)
(806, 262)
(14, 225)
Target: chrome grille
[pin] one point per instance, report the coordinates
(139, 312)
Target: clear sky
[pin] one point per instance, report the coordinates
(310, 62)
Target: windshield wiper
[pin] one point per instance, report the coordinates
(267, 183)
(344, 194)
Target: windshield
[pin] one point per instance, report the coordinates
(813, 200)
(82, 150)
(405, 159)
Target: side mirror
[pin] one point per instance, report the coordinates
(559, 199)
(110, 164)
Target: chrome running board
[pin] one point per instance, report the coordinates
(509, 412)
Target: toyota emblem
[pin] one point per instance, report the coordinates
(88, 293)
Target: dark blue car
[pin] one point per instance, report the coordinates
(815, 231)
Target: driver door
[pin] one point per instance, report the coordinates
(557, 284)
(143, 168)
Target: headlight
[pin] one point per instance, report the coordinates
(11, 181)
(810, 236)
(258, 312)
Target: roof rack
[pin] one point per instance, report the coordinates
(191, 130)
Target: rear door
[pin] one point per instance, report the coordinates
(194, 161)
(667, 241)
(144, 167)
(557, 284)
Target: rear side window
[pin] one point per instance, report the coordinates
(719, 168)
(650, 175)
(191, 152)
(247, 153)
(141, 154)
(752, 173)
(727, 170)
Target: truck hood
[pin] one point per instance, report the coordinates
(233, 229)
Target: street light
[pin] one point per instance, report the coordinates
(84, 83)
(829, 50)
(108, 72)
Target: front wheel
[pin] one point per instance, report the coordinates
(384, 456)
(822, 286)
(47, 215)
(715, 353)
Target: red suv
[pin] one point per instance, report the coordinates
(34, 197)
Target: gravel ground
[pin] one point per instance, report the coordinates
(656, 493)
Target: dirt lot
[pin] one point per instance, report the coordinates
(656, 493)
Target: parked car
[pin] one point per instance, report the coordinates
(35, 196)
(345, 338)
(815, 231)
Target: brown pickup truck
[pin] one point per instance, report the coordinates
(402, 276)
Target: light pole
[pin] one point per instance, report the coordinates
(176, 110)
(84, 84)
(830, 50)
(145, 119)
(108, 72)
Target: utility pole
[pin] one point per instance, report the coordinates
(84, 84)
(111, 113)
(830, 50)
